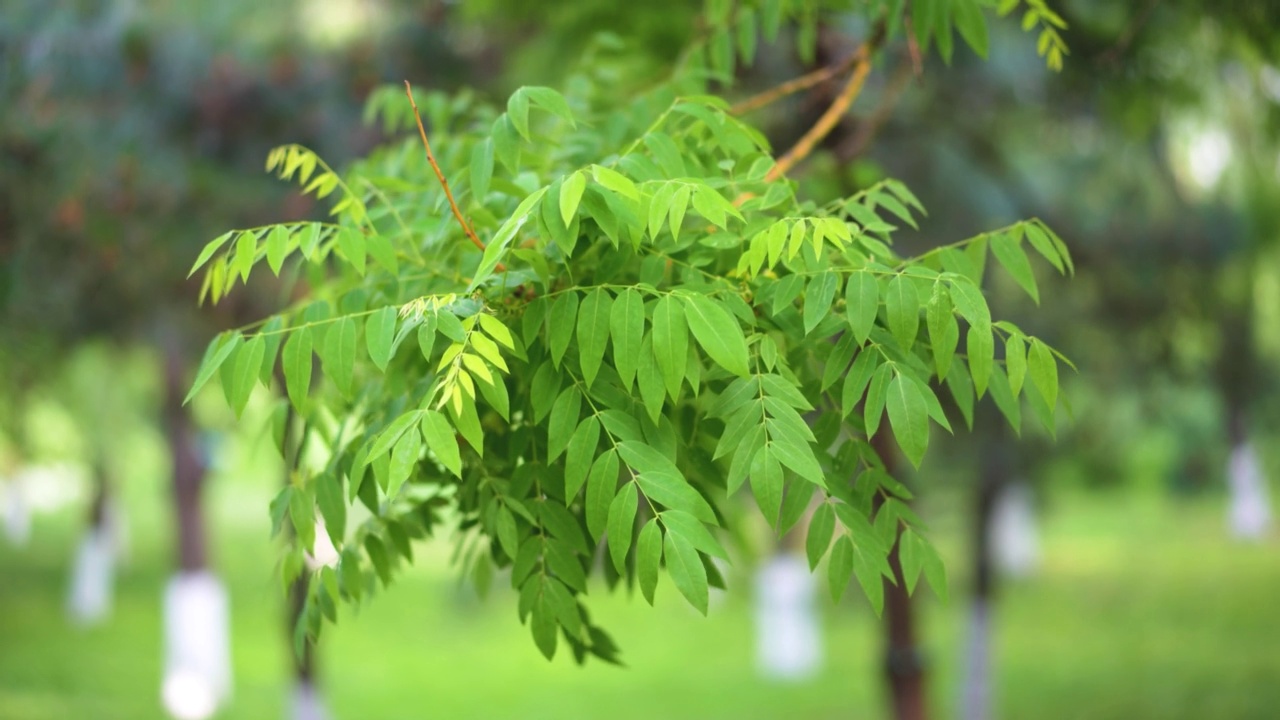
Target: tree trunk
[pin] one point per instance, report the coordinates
(976, 690)
(93, 570)
(904, 663)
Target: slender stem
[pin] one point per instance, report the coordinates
(795, 85)
(820, 129)
(431, 158)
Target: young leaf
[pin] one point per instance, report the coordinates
(593, 332)
(718, 333)
(277, 247)
(220, 348)
(686, 571)
(571, 195)
(379, 332)
(626, 328)
(670, 341)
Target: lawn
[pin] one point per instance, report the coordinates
(1142, 609)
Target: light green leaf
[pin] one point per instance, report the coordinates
(404, 457)
(818, 297)
(277, 247)
(295, 361)
(718, 333)
(379, 332)
(209, 249)
(391, 434)
(766, 484)
(1044, 371)
(551, 101)
(649, 558)
(855, 382)
(679, 205)
(1008, 251)
(821, 527)
(245, 367)
(909, 417)
(1015, 362)
(686, 571)
(340, 354)
(602, 484)
(518, 112)
(616, 181)
(564, 313)
(571, 195)
(442, 440)
(622, 518)
(578, 456)
(944, 333)
(969, 301)
(351, 242)
(626, 327)
(902, 309)
(497, 247)
(563, 421)
(981, 348)
(670, 341)
(840, 566)
(862, 302)
(593, 332)
(220, 348)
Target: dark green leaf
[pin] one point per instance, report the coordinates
(564, 314)
(626, 327)
(670, 341)
(649, 558)
(602, 484)
(379, 332)
(578, 456)
(909, 417)
(593, 332)
(686, 571)
(902, 308)
(821, 527)
(563, 421)
(718, 333)
(622, 517)
(840, 566)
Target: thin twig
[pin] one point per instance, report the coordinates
(431, 158)
(795, 85)
(820, 129)
(868, 128)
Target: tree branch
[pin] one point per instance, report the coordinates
(431, 158)
(795, 85)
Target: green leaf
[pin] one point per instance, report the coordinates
(686, 571)
(442, 440)
(209, 249)
(564, 313)
(295, 360)
(382, 251)
(339, 356)
(679, 205)
(877, 393)
(593, 332)
(571, 195)
(626, 328)
(379, 332)
(855, 382)
(678, 522)
(862, 302)
(518, 112)
(971, 24)
(667, 153)
(670, 341)
(821, 527)
(969, 301)
(818, 297)
(649, 558)
(1045, 246)
(840, 566)
(220, 348)
(659, 208)
(649, 380)
(1008, 251)
(902, 308)
(1044, 371)
(551, 101)
(718, 333)
(505, 528)
(497, 246)
(616, 181)
(909, 417)
(404, 457)
(622, 518)
(766, 484)
(944, 333)
(563, 421)
(351, 242)
(1015, 362)
(303, 516)
(797, 455)
(602, 484)
(277, 247)
(578, 456)
(981, 348)
(244, 375)
(333, 508)
(390, 434)
(481, 169)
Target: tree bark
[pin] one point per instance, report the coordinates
(904, 663)
(994, 478)
(188, 465)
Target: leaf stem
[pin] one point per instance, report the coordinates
(431, 158)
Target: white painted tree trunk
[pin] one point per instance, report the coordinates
(197, 661)
(89, 597)
(17, 512)
(307, 703)
(976, 699)
(788, 641)
(1015, 538)
(1249, 508)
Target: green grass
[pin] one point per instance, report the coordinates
(1143, 610)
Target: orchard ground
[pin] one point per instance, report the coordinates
(1143, 608)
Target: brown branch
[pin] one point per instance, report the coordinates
(431, 158)
(795, 85)
(823, 127)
